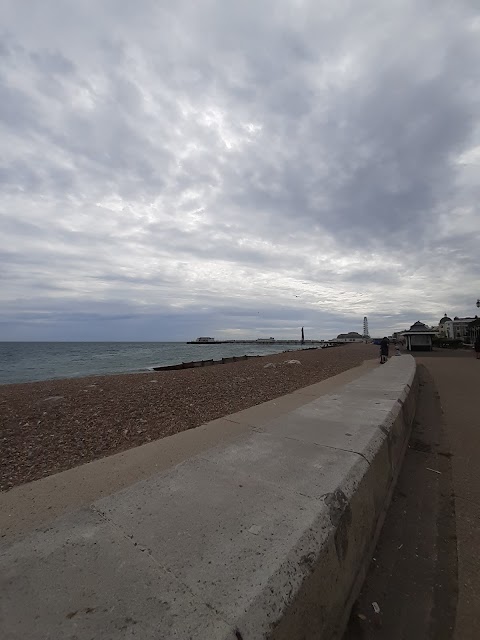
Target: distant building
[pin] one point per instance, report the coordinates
(442, 326)
(419, 337)
(203, 339)
(474, 330)
(352, 336)
(457, 329)
(265, 339)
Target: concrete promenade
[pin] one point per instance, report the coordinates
(267, 534)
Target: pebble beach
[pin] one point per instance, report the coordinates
(54, 425)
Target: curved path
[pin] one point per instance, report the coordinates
(425, 576)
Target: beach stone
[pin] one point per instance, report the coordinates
(269, 365)
(292, 362)
(82, 424)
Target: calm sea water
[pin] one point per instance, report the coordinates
(29, 361)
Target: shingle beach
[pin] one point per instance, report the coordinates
(50, 426)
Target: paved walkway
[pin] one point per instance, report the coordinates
(457, 378)
(425, 576)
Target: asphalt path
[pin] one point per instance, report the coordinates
(424, 580)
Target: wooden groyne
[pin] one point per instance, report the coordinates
(202, 363)
(211, 362)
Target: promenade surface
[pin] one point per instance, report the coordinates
(425, 576)
(246, 536)
(457, 378)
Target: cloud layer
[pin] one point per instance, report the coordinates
(237, 169)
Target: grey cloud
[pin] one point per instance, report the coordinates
(52, 62)
(20, 175)
(17, 110)
(378, 276)
(320, 147)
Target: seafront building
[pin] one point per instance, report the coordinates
(351, 336)
(464, 329)
(456, 329)
(474, 329)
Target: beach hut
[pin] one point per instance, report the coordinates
(419, 337)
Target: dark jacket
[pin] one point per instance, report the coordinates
(384, 347)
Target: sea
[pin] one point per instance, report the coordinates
(33, 361)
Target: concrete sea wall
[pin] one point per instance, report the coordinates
(265, 536)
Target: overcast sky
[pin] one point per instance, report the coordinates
(237, 168)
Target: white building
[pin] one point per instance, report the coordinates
(442, 329)
(457, 329)
(352, 336)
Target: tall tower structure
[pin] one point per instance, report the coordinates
(365, 327)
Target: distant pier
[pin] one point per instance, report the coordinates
(266, 341)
